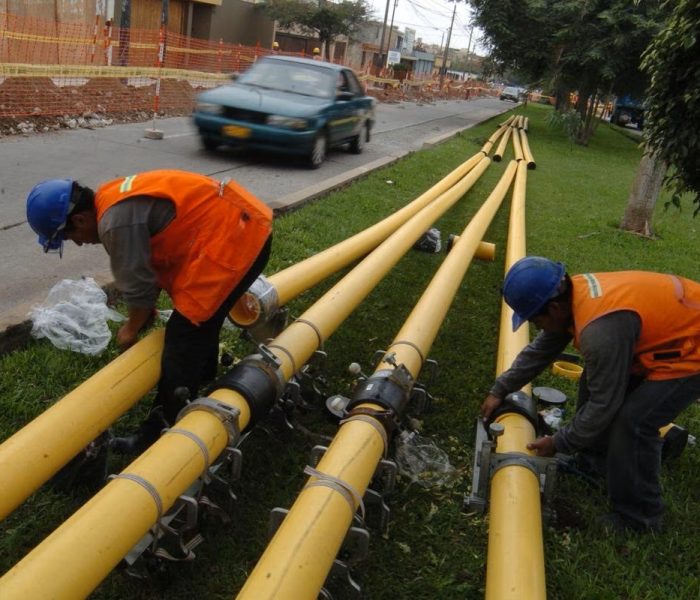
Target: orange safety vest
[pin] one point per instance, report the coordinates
(204, 252)
(668, 306)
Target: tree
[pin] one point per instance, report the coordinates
(588, 47)
(672, 115)
(326, 20)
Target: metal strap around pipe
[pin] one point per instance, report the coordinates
(374, 423)
(347, 491)
(146, 485)
(316, 330)
(197, 440)
(412, 345)
(287, 353)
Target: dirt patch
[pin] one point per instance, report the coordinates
(37, 104)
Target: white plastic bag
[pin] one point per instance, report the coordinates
(420, 459)
(74, 317)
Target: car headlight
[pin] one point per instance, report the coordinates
(208, 107)
(287, 122)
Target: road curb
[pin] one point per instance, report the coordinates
(297, 199)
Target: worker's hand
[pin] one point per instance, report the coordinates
(489, 405)
(543, 446)
(126, 336)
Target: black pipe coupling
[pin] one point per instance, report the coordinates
(390, 389)
(258, 378)
(519, 403)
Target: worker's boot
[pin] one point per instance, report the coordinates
(147, 433)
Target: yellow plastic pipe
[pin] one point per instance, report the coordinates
(515, 562)
(486, 148)
(300, 555)
(297, 342)
(99, 535)
(75, 558)
(38, 451)
(498, 155)
(517, 147)
(294, 280)
(527, 154)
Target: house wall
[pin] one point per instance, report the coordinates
(239, 22)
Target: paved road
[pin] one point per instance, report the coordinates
(92, 156)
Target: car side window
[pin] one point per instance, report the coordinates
(341, 84)
(353, 84)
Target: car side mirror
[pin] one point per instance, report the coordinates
(345, 96)
(235, 76)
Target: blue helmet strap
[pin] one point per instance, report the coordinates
(59, 231)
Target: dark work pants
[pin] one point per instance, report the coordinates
(190, 352)
(631, 446)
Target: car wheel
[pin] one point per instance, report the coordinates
(318, 152)
(358, 143)
(209, 143)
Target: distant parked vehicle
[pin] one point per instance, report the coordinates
(288, 105)
(510, 93)
(628, 110)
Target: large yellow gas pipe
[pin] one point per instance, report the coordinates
(294, 280)
(515, 564)
(98, 535)
(527, 154)
(40, 449)
(300, 555)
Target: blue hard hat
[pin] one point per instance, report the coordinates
(48, 205)
(529, 284)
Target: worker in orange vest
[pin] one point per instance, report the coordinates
(202, 241)
(317, 54)
(275, 48)
(639, 336)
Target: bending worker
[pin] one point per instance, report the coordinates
(639, 335)
(203, 241)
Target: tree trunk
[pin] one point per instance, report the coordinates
(645, 191)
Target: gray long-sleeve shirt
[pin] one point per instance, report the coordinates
(125, 231)
(607, 346)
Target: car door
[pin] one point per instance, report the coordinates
(343, 124)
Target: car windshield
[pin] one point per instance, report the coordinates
(290, 77)
(511, 90)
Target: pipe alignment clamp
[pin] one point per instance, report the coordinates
(228, 415)
(390, 389)
(259, 379)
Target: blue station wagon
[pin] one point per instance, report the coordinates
(288, 105)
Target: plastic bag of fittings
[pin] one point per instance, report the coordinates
(429, 241)
(74, 317)
(422, 461)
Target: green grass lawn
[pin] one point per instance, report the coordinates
(433, 550)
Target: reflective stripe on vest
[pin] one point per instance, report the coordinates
(669, 309)
(216, 235)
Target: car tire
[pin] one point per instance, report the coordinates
(209, 143)
(357, 145)
(318, 151)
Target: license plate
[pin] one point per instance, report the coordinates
(236, 131)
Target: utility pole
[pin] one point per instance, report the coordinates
(443, 70)
(391, 27)
(469, 45)
(381, 43)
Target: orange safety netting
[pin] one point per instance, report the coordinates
(49, 68)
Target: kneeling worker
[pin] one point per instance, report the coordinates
(203, 241)
(639, 335)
